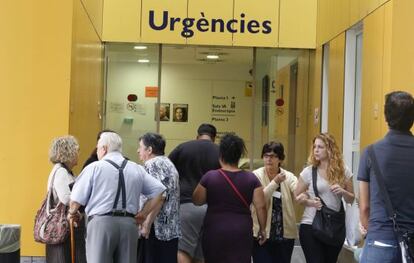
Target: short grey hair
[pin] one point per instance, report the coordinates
(111, 140)
(64, 149)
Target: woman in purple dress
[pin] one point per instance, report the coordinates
(229, 192)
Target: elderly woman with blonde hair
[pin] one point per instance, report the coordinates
(63, 153)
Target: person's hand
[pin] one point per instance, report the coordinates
(337, 189)
(145, 229)
(75, 216)
(140, 218)
(362, 230)
(261, 236)
(302, 197)
(280, 177)
(315, 202)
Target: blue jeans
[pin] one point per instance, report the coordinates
(374, 252)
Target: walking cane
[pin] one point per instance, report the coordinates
(72, 241)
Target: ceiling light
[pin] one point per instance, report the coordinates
(212, 57)
(143, 60)
(140, 47)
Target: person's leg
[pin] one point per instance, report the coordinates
(189, 245)
(261, 253)
(331, 253)
(282, 251)
(102, 239)
(183, 257)
(311, 247)
(165, 251)
(126, 251)
(384, 251)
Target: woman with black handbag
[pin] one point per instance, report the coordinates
(333, 181)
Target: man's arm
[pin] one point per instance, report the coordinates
(151, 209)
(364, 203)
(200, 195)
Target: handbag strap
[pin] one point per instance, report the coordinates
(315, 185)
(50, 192)
(121, 183)
(315, 188)
(234, 188)
(381, 184)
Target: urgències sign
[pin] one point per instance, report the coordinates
(190, 26)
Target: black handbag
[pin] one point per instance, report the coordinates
(328, 225)
(405, 239)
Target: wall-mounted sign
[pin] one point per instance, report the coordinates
(132, 97)
(151, 92)
(223, 108)
(190, 26)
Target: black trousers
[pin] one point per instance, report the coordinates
(153, 250)
(314, 250)
(273, 251)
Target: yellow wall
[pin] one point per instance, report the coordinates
(297, 23)
(387, 54)
(121, 21)
(373, 65)
(314, 99)
(336, 16)
(402, 46)
(34, 104)
(86, 83)
(293, 22)
(336, 87)
(94, 11)
(37, 98)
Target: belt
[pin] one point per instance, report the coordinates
(114, 213)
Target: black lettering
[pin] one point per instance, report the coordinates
(202, 22)
(266, 27)
(152, 20)
(214, 22)
(173, 20)
(230, 27)
(187, 24)
(242, 23)
(253, 26)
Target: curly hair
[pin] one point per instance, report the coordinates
(231, 148)
(64, 149)
(336, 167)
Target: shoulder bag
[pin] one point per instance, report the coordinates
(405, 239)
(328, 225)
(51, 226)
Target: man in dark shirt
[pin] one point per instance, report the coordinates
(395, 155)
(192, 160)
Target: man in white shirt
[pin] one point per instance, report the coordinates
(110, 190)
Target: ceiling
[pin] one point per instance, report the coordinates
(180, 54)
(184, 54)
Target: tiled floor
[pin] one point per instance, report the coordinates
(346, 256)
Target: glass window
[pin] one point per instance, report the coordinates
(131, 92)
(281, 104)
(206, 84)
(259, 94)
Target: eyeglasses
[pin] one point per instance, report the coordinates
(270, 155)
